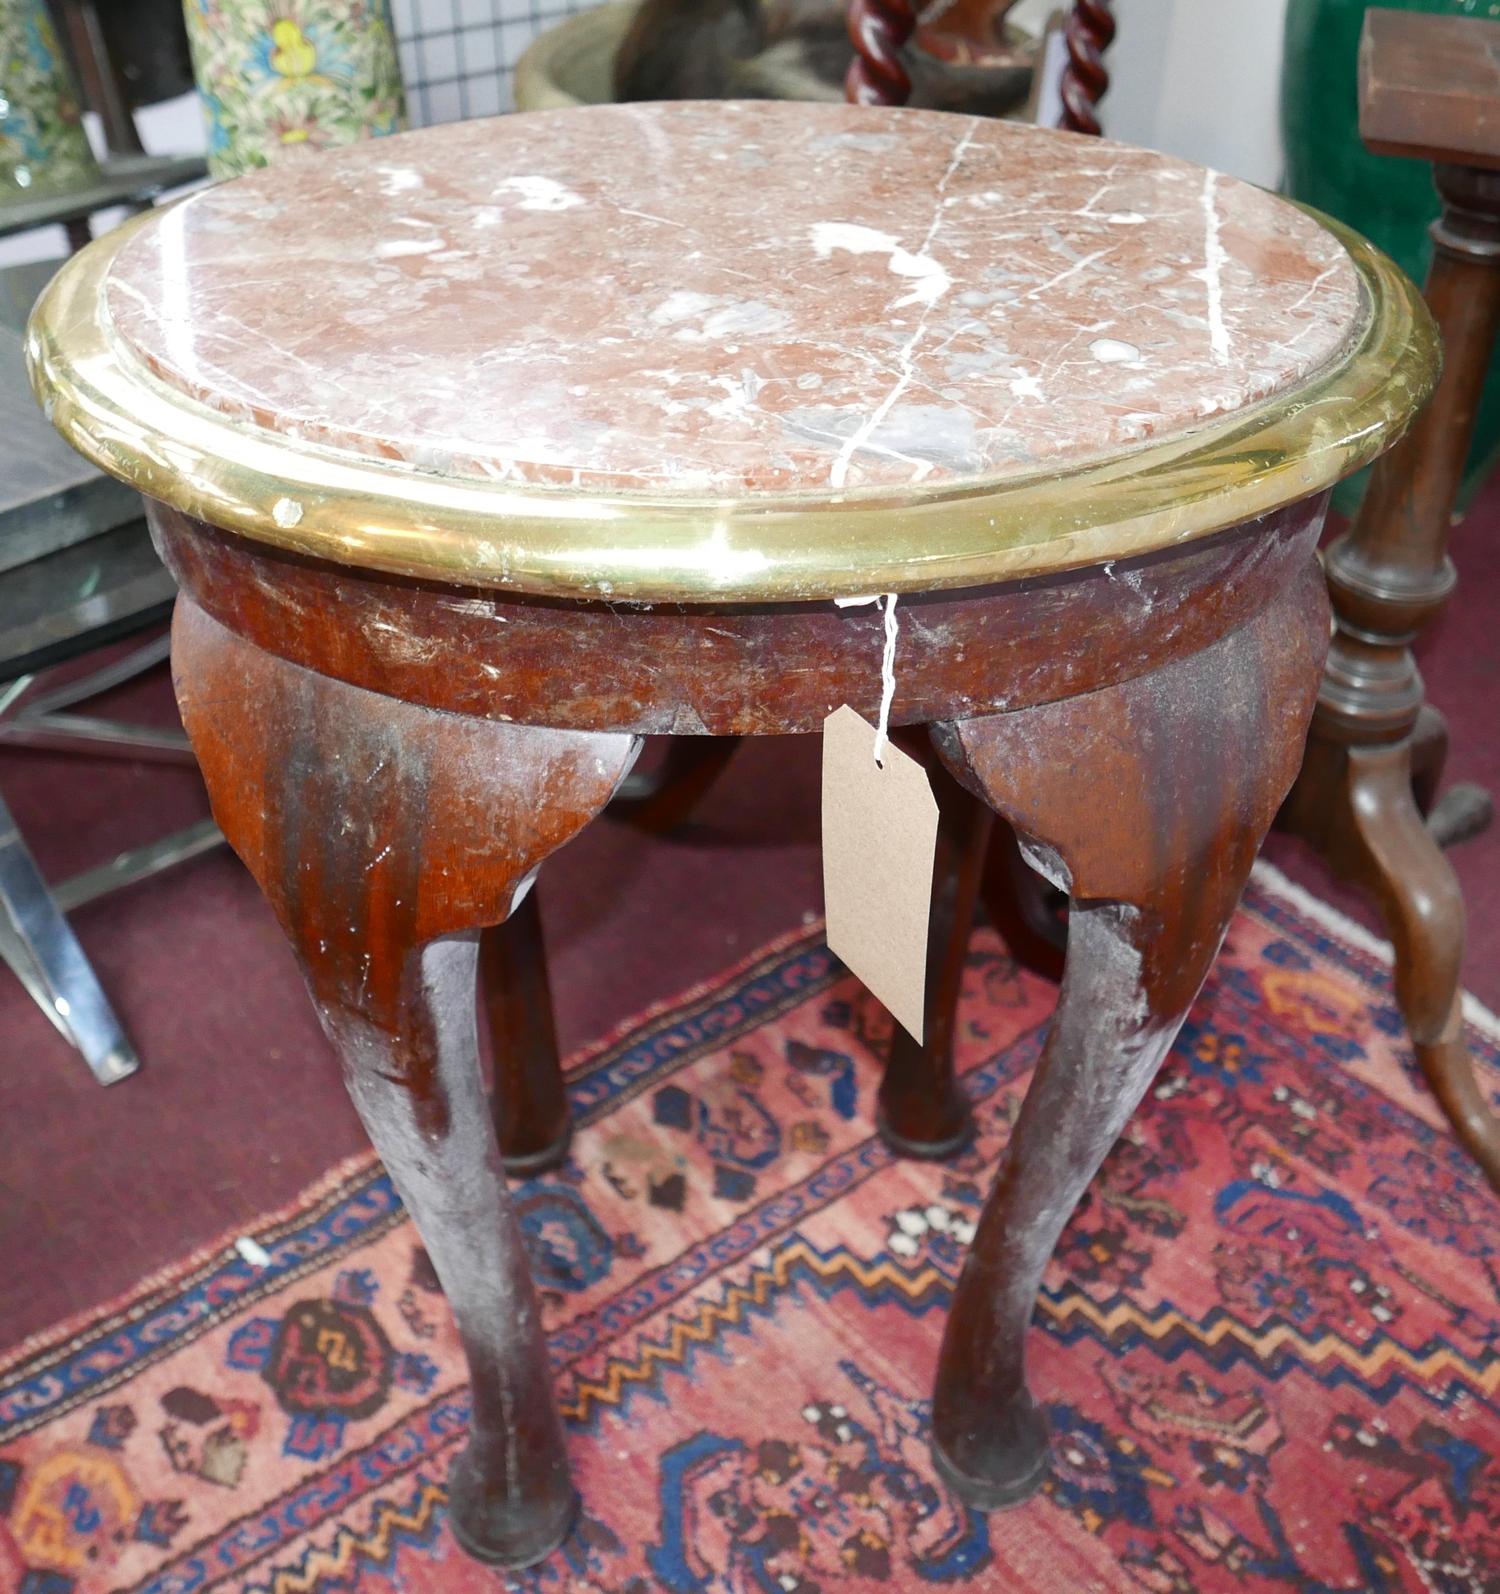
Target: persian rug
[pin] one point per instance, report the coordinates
(1268, 1347)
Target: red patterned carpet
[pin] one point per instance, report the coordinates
(1269, 1347)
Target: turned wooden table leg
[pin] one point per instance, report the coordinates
(1148, 802)
(1023, 907)
(1389, 575)
(384, 835)
(921, 1111)
(1356, 803)
(659, 803)
(529, 1099)
(1392, 853)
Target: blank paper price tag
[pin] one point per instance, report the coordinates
(879, 836)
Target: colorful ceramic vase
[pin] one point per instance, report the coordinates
(282, 75)
(43, 148)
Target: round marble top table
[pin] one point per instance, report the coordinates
(480, 452)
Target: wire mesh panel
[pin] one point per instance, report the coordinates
(457, 56)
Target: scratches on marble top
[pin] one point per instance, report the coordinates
(395, 248)
(588, 301)
(838, 473)
(537, 192)
(1214, 261)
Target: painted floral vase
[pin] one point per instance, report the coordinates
(276, 76)
(43, 147)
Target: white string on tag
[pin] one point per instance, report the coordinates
(887, 666)
(887, 679)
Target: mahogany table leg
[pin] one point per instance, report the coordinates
(1021, 906)
(1463, 809)
(921, 1111)
(1356, 804)
(660, 803)
(1389, 575)
(529, 1100)
(384, 835)
(1394, 856)
(1148, 800)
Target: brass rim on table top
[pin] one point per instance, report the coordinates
(568, 542)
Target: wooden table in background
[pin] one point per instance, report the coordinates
(1367, 795)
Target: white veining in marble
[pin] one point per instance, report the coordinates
(727, 298)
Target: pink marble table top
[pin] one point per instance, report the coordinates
(721, 299)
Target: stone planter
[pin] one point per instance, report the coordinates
(573, 63)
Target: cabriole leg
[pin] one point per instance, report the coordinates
(1147, 802)
(385, 836)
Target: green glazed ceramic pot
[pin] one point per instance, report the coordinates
(43, 148)
(282, 75)
(1391, 201)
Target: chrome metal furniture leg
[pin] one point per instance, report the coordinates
(83, 687)
(138, 863)
(41, 721)
(38, 943)
(35, 938)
